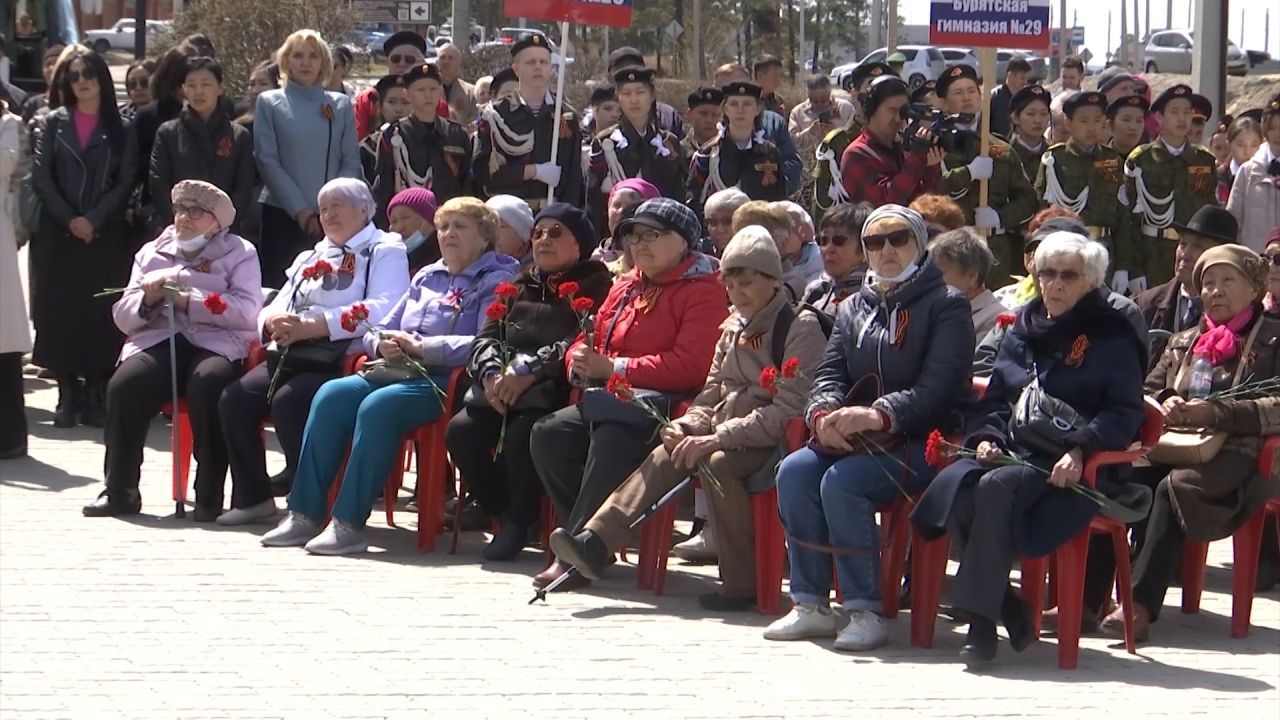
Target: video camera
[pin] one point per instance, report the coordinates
(947, 129)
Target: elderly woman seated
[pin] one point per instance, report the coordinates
(965, 261)
(733, 425)
(1234, 344)
(1071, 355)
(656, 330)
(354, 263)
(896, 367)
(431, 327)
(515, 227)
(717, 215)
(512, 392)
(210, 277)
(844, 267)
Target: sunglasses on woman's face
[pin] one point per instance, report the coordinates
(137, 84)
(897, 238)
(1048, 275)
(833, 239)
(554, 232)
(1275, 259)
(75, 76)
(195, 212)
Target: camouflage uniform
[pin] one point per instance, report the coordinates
(1163, 189)
(1088, 183)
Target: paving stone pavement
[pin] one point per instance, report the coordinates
(155, 617)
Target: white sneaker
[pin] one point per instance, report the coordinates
(865, 631)
(803, 622)
(294, 531)
(339, 538)
(264, 510)
(699, 548)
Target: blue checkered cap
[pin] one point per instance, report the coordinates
(665, 214)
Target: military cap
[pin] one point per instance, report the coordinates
(422, 71)
(387, 82)
(954, 73)
(919, 94)
(1133, 101)
(404, 37)
(1201, 107)
(705, 96)
(1084, 99)
(1176, 92)
(741, 87)
(532, 40)
(633, 75)
(869, 70)
(1028, 95)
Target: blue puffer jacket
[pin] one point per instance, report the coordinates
(907, 352)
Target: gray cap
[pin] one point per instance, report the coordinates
(665, 214)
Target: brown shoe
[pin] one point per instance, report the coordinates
(1113, 624)
(555, 570)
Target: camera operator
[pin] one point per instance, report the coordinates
(878, 167)
(1011, 200)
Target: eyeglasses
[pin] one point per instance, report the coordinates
(837, 240)
(554, 232)
(897, 238)
(1275, 258)
(137, 84)
(1048, 275)
(195, 212)
(75, 76)
(403, 59)
(644, 237)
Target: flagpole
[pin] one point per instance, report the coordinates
(557, 120)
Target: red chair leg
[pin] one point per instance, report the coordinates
(181, 428)
(391, 491)
(1124, 582)
(1033, 574)
(1248, 542)
(771, 552)
(894, 560)
(1071, 560)
(660, 548)
(928, 571)
(431, 475)
(1194, 557)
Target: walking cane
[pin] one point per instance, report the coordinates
(179, 510)
(541, 593)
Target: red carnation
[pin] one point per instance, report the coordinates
(620, 388)
(1004, 320)
(568, 289)
(360, 312)
(934, 452)
(214, 303)
(496, 310)
(791, 368)
(349, 321)
(506, 290)
(769, 379)
(582, 305)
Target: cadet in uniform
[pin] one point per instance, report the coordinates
(423, 150)
(828, 191)
(1030, 111)
(1084, 176)
(704, 113)
(1167, 181)
(1011, 201)
(740, 156)
(633, 147)
(513, 136)
(1128, 120)
(393, 104)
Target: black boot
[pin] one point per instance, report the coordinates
(95, 403)
(64, 416)
(585, 551)
(980, 644)
(1017, 616)
(113, 503)
(509, 541)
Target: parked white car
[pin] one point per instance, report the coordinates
(1169, 51)
(120, 35)
(924, 63)
(961, 56)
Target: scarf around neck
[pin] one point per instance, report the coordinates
(1221, 342)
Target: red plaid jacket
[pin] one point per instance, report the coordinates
(871, 172)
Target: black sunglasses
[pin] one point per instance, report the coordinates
(897, 238)
(74, 76)
(1275, 259)
(554, 232)
(1049, 275)
(834, 239)
(136, 84)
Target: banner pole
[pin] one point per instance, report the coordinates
(987, 59)
(556, 119)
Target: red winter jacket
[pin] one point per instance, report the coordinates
(667, 328)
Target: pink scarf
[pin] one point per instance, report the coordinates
(1221, 343)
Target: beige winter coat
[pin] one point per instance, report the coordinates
(732, 405)
(1255, 200)
(15, 333)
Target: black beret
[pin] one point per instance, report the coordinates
(1175, 92)
(741, 87)
(1201, 107)
(1254, 114)
(404, 37)
(603, 93)
(869, 70)
(386, 82)
(1028, 95)
(532, 40)
(920, 93)
(954, 73)
(1084, 99)
(705, 96)
(422, 71)
(1133, 101)
(502, 77)
(633, 75)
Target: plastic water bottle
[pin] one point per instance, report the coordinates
(1201, 378)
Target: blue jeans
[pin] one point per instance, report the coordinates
(832, 501)
(375, 421)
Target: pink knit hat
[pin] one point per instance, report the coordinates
(419, 200)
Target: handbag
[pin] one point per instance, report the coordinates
(1041, 421)
(601, 406)
(321, 356)
(383, 372)
(1183, 447)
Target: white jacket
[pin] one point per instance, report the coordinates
(15, 332)
(1255, 200)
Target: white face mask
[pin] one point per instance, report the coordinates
(414, 241)
(194, 245)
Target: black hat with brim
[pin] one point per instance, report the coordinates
(1129, 101)
(1028, 95)
(633, 75)
(387, 82)
(705, 96)
(869, 70)
(920, 93)
(1177, 92)
(404, 37)
(741, 88)
(1214, 223)
(1201, 107)
(422, 71)
(532, 40)
(954, 74)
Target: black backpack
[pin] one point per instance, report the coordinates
(782, 326)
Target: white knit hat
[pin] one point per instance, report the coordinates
(514, 212)
(753, 248)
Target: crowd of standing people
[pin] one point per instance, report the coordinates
(661, 297)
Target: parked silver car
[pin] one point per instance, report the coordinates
(1170, 51)
(120, 35)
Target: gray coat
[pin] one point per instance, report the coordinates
(923, 380)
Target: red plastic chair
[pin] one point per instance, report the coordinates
(1247, 542)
